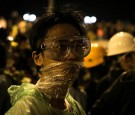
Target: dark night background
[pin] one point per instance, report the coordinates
(109, 10)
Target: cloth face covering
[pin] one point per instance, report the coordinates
(58, 78)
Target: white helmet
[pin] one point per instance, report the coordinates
(120, 42)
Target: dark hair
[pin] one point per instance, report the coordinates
(40, 28)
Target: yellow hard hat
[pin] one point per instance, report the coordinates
(96, 56)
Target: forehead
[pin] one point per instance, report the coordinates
(62, 30)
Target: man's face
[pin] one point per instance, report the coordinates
(63, 46)
(127, 61)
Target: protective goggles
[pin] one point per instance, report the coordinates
(60, 48)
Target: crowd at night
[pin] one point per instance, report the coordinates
(54, 62)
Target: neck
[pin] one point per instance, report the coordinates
(53, 88)
(58, 103)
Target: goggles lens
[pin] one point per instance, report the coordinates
(59, 48)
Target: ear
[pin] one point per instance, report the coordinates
(38, 59)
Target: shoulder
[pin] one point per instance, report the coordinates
(25, 89)
(29, 105)
(128, 76)
(75, 106)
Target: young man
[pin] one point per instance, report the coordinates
(59, 44)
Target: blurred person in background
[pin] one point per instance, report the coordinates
(23, 63)
(59, 44)
(116, 46)
(5, 79)
(94, 64)
(119, 99)
(20, 62)
(5, 83)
